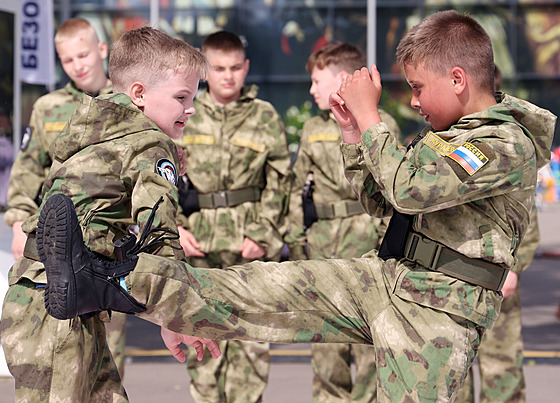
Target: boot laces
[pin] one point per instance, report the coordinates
(159, 235)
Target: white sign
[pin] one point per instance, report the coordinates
(37, 42)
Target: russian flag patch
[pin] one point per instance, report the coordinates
(469, 157)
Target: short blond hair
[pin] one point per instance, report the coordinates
(150, 56)
(71, 28)
(448, 39)
(338, 55)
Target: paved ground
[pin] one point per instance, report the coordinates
(151, 375)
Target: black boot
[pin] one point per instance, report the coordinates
(78, 282)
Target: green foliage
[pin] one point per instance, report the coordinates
(294, 118)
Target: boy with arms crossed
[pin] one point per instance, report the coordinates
(424, 303)
(117, 160)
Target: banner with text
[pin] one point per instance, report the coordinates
(37, 42)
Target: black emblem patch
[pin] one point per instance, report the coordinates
(167, 170)
(25, 138)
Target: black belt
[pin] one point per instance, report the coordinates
(340, 209)
(228, 198)
(437, 257)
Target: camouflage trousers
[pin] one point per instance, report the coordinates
(500, 359)
(240, 374)
(116, 339)
(56, 360)
(422, 353)
(332, 377)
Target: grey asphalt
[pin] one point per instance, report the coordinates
(152, 375)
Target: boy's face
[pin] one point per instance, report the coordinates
(434, 96)
(323, 82)
(170, 103)
(227, 76)
(82, 60)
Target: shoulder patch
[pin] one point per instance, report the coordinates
(439, 145)
(198, 139)
(25, 138)
(469, 157)
(54, 126)
(167, 170)
(331, 137)
(246, 143)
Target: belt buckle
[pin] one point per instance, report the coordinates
(340, 209)
(423, 251)
(219, 199)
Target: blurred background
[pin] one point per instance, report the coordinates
(280, 35)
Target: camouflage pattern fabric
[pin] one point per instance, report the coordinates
(319, 153)
(500, 356)
(49, 116)
(82, 370)
(116, 339)
(425, 325)
(106, 160)
(344, 237)
(240, 374)
(236, 146)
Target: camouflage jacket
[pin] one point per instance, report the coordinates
(238, 146)
(529, 244)
(481, 209)
(115, 164)
(49, 116)
(344, 237)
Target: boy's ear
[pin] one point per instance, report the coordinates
(103, 49)
(136, 94)
(458, 79)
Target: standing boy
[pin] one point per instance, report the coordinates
(82, 56)
(116, 159)
(238, 172)
(341, 229)
(463, 189)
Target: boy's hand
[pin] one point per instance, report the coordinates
(172, 341)
(18, 240)
(510, 284)
(189, 243)
(182, 161)
(251, 250)
(361, 92)
(351, 133)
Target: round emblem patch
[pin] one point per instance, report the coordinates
(166, 169)
(25, 138)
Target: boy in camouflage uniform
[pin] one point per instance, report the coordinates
(238, 171)
(463, 190)
(117, 160)
(81, 55)
(341, 228)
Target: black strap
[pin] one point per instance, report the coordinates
(394, 241)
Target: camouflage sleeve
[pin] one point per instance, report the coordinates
(529, 244)
(268, 230)
(296, 238)
(28, 173)
(153, 174)
(424, 180)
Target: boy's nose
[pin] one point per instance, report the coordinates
(414, 102)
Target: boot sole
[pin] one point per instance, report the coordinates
(54, 245)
